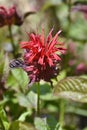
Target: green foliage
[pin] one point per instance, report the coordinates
(58, 127)
(41, 124)
(29, 100)
(74, 88)
(24, 115)
(51, 122)
(20, 76)
(18, 125)
(4, 125)
(48, 97)
(17, 78)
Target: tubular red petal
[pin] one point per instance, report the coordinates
(24, 44)
(49, 36)
(41, 60)
(54, 41)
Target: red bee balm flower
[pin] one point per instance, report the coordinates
(9, 16)
(41, 56)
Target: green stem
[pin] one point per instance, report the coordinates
(38, 99)
(12, 40)
(61, 112)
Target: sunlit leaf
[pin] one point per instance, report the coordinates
(41, 124)
(77, 111)
(58, 127)
(29, 100)
(20, 76)
(24, 115)
(48, 97)
(74, 88)
(11, 81)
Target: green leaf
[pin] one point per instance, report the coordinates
(3, 119)
(74, 88)
(58, 127)
(2, 102)
(24, 115)
(18, 125)
(11, 81)
(20, 76)
(41, 124)
(48, 97)
(51, 122)
(29, 100)
(76, 110)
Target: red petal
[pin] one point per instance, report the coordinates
(41, 59)
(49, 36)
(32, 37)
(24, 44)
(56, 57)
(62, 50)
(54, 40)
(31, 58)
(29, 68)
(50, 62)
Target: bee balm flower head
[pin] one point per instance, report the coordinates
(9, 16)
(42, 55)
